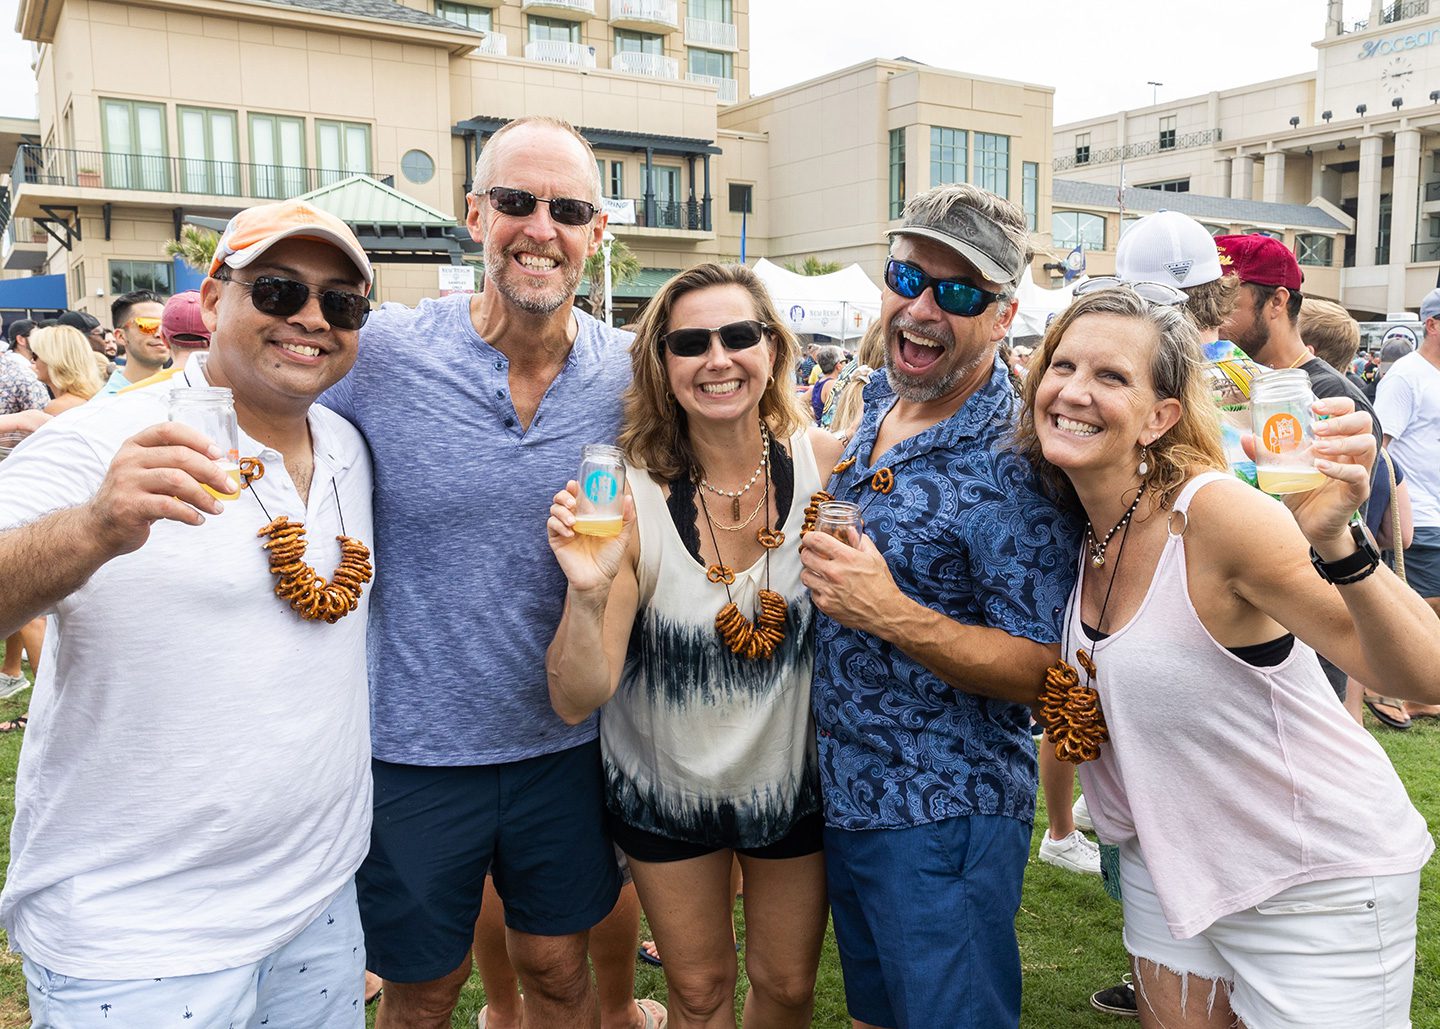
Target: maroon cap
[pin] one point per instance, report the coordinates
(182, 318)
(1262, 260)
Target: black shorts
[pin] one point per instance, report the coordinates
(537, 826)
(806, 836)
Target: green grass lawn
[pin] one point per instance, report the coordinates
(1069, 930)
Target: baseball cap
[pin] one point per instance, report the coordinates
(255, 230)
(953, 222)
(182, 318)
(86, 323)
(1167, 247)
(1261, 260)
(1430, 306)
(1392, 351)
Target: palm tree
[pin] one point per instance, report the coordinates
(812, 265)
(624, 267)
(196, 247)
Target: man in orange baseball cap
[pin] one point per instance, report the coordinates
(246, 799)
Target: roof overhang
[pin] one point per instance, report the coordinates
(36, 20)
(607, 139)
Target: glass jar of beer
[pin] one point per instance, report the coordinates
(211, 410)
(1284, 437)
(841, 519)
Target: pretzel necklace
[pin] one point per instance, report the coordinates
(760, 638)
(308, 593)
(1074, 720)
(882, 482)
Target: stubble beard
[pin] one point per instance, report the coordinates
(533, 301)
(923, 390)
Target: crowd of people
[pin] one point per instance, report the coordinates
(846, 597)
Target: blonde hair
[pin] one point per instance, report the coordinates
(71, 363)
(655, 434)
(872, 345)
(1210, 303)
(850, 406)
(1328, 329)
(1190, 445)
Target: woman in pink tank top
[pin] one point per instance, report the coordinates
(1267, 847)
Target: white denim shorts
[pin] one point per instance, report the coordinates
(316, 981)
(1335, 954)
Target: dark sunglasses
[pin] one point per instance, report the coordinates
(283, 297)
(694, 342)
(518, 204)
(952, 295)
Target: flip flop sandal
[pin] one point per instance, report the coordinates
(1374, 704)
(480, 1018)
(650, 959)
(656, 1017)
(16, 726)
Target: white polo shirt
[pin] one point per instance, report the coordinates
(1407, 402)
(194, 787)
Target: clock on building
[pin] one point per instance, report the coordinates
(1395, 73)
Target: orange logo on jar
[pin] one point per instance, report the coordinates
(1282, 433)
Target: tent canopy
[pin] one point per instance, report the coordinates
(841, 304)
(1038, 304)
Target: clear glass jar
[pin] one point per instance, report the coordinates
(1280, 403)
(600, 511)
(211, 410)
(841, 519)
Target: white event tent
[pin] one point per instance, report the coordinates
(1038, 304)
(841, 305)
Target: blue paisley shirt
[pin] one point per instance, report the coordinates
(968, 532)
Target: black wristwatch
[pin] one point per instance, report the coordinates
(1355, 567)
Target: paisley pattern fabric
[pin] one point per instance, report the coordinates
(19, 389)
(966, 531)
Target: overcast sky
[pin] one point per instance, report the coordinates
(1098, 54)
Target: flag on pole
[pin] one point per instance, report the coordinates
(1075, 263)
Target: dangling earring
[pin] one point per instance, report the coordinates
(1144, 468)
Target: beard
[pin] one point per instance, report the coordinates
(500, 269)
(922, 389)
(1251, 338)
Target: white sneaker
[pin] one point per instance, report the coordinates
(1081, 814)
(13, 684)
(1074, 853)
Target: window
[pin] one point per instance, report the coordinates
(666, 180)
(1071, 228)
(341, 148)
(1217, 230)
(1082, 148)
(1315, 250)
(77, 279)
(128, 276)
(639, 43)
(742, 198)
(614, 185)
(1030, 193)
(947, 155)
(992, 163)
(1167, 132)
(277, 156)
(417, 166)
(897, 172)
(1168, 186)
(209, 150)
(711, 10)
(1265, 232)
(553, 30)
(464, 14)
(711, 62)
(133, 137)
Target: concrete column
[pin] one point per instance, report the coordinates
(1275, 177)
(1242, 177)
(1367, 211)
(1222, 176)
(1404, 207)
(1376, 6)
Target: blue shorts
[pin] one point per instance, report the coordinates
(925, 921)
(1422, 561)
(536, 826)
(317, 980)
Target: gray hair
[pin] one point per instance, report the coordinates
(828, 358)
(485, 163)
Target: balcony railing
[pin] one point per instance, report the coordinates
(554, 51)
(1382, 253)
(24, 230)
(656, 66)
(564, 7)
(495, 45)
(648, 12)
(97, 169)
(1109, 155)
(1426, 251)
(1402, 10)
(704, 32)
(728, 89)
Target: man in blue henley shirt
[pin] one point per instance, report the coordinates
(475, 409)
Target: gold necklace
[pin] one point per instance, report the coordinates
(764, 499)
(735, 495)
